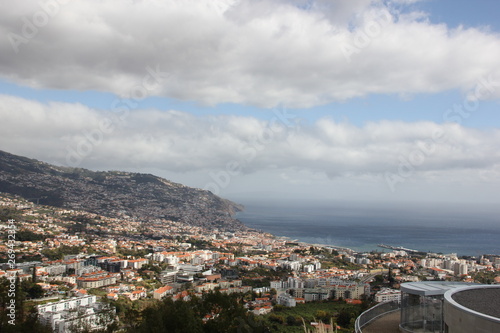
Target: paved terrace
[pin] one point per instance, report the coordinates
(385, 324)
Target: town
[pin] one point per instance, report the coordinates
(77, 266)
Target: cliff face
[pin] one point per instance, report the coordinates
(115, 194)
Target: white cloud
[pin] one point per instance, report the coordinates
(260, 53)
(175, 141)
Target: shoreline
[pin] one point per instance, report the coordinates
(308, 238)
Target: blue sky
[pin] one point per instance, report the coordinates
(357, 111)
(329, 99)
(462, 12)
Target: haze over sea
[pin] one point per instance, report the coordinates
(446, 228)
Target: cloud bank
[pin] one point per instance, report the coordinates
(262, 53)
(175, 141)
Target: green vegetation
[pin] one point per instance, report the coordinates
(26, 235)
(60, 252)
(32, 290)
(265, 274)
(214, 312)
(328, 258)
(486, 277)
(7, 213)
(257, 282)
(25, 312)
(284, 319)
(129, 313)
(97, 292)
(339, 263)
(133, 253)
(152, 267)
(200, 244)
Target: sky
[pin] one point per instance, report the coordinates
(374, 100)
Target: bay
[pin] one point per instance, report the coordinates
(464, 229)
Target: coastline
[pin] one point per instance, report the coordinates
(360, 231)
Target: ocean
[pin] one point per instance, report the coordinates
(442, 228)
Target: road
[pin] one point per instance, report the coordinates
(372, 275)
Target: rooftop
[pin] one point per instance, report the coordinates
(483, 300)
(431, 288)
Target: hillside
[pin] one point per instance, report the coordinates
(141, 196)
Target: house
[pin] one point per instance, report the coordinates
(262, 310)
(162, 292)
(113, 296)
(137, 294)
(184, 295)
(80, 292)
(137, 263)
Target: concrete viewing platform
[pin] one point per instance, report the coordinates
(385, 324)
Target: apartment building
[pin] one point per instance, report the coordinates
(286, 300)
(387, 294)
(162, 292)
(96, 280)
(65, 315)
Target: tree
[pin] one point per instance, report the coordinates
(391, 276)
(8, 213)
(212, 313)
(170, 316)
(279, 308)
(35, 291)
(277, 318)
(33, 276)
(26, 319)
(293, 321)
(323, 316)
(344, 318)
(60, 252)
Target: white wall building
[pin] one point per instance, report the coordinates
(63, 315)
(388, 295)
(279, 284)
(286, 300)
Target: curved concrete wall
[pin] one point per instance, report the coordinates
(460, 319)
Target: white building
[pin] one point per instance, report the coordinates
(64, 315)
(292, 265)
(460, 268)
(158, 256)
(286, 300)
(162, 292)
(279, 284)
(190, 269)
(55, 269)
(388, 295)
(295, 283)
(167, 277)
(308, 268)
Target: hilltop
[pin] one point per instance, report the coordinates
(114, 193)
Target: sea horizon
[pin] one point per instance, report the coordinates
(467, 230)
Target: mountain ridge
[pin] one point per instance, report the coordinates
(115, 193)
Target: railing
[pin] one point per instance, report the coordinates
(375, 312)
